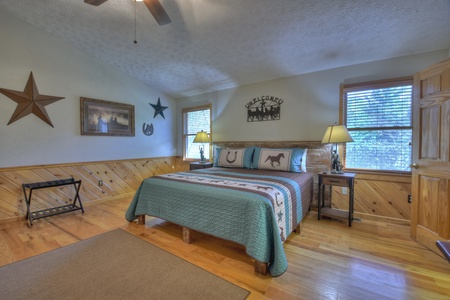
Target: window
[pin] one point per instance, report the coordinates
(378, 116)
(196, 119)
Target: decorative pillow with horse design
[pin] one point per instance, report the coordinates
(290, 160)
(233, 158)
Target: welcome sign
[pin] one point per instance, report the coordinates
(264, 108)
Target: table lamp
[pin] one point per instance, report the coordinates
(201, 138)
(336, 134)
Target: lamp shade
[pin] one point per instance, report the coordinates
(201, 137)
(336, 134)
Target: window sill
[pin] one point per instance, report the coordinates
(379, 172)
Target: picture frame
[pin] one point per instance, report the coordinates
(106, 118)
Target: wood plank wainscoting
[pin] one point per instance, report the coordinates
(119, 178)
(381, 197)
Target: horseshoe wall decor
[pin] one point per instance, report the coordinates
(147, 129)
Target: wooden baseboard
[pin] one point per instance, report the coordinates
(363, 216)
(22, 216)
(126, 195)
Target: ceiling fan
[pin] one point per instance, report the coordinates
(154, 6)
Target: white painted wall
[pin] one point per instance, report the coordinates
(311, 101)
(62, 70)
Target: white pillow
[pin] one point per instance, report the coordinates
(231, 158)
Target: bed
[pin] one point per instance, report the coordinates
(254, 196)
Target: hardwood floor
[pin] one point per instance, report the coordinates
(328, 260)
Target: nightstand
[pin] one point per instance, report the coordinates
(199, 165)
(343, 180)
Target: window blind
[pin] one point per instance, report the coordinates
(195, 120)
(379, 119)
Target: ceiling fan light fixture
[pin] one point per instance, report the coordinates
(154, 6)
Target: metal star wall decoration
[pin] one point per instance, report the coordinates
(29, 101)
(159, 110)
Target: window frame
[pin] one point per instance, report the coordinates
(384, 83)
(184, 135)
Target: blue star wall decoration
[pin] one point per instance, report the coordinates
(159, 110)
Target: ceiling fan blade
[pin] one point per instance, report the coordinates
(95, 2)
(158, 12)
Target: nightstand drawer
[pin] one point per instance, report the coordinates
(335, 181)
(200, 165)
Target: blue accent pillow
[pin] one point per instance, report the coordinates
(233, 158)
(289, 160)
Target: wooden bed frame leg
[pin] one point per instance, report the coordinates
(298, 229)
(261, 268)
(141, 220)
(187, 236)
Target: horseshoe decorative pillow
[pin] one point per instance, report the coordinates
(233, 158)
(290, 160)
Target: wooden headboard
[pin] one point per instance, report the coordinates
(318, 157)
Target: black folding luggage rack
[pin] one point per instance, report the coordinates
(34, 215)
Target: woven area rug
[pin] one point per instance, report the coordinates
(113, 265)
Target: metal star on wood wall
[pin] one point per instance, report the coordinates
(29, 101)
(159, 110)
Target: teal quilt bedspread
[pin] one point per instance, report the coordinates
(255, 208)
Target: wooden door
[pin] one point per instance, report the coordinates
(430, 212)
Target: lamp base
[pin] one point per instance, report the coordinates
(337, 172)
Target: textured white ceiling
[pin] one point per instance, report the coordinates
(216, 44)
